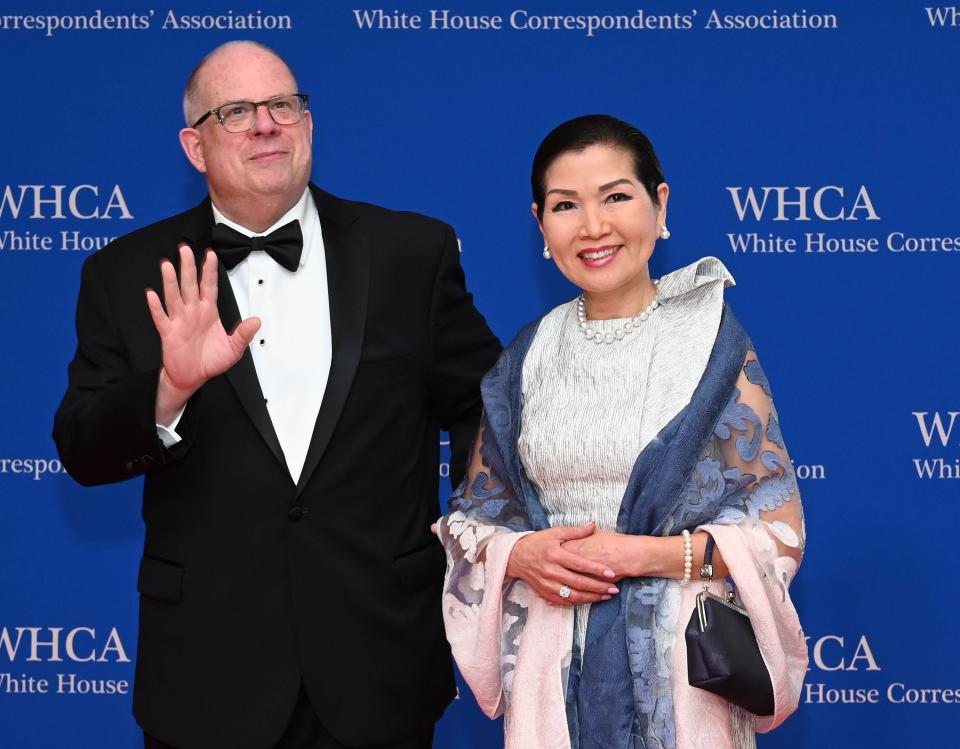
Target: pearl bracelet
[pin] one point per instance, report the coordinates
(687, 556)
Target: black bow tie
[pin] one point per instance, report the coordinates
(283, 245)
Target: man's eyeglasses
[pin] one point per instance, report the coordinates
(240, 116)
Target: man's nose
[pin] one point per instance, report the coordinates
(263, 123)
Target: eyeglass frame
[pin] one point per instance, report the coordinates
(256, 105)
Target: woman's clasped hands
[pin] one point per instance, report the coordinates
(562, 560)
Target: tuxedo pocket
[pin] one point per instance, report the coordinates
(383, 370)
(160, 579)
(421, 568)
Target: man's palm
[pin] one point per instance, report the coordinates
(195, 345)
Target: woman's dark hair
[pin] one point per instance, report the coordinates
(593, 130)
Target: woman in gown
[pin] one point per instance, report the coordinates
(614, 426)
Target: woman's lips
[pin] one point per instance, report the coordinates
(597, 257)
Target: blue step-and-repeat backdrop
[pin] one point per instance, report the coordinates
(812, 146)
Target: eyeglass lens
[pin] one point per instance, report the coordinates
(239, 116)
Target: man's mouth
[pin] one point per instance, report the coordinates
(266, 155)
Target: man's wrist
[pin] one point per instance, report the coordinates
(170, 399)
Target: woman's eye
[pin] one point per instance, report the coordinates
(618, 197)
(563, 205)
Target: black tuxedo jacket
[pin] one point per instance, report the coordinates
(250, 583)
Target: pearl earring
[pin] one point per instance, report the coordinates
(664, 232)
(546, 252)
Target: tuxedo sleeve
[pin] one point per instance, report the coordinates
(464, 348)
(105, 427)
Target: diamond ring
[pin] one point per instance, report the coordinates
(565, 591)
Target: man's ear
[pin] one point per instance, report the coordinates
(309, 120)
(193, 148)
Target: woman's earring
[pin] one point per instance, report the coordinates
(546, 252)
(664, 232)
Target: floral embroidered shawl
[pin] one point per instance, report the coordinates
(720, 465)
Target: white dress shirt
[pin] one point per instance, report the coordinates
(293, 348)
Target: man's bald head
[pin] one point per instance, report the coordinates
(195, 103)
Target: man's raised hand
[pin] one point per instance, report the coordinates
(195, 345)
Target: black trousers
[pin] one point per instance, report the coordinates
(306, 732)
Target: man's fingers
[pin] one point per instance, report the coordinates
(160, 320)
(244, 333)
(208, 278)
(171, 290)
(188, 276)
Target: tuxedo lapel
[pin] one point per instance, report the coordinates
(242, 375)
(347, 254)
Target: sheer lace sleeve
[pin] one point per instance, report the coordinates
(483, 507)
(485, 495)
(489, 616)
(484, 515)
(759, 531)
(765, 499)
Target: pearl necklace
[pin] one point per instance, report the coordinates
(620, 333)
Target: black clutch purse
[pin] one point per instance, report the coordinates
(722, 652)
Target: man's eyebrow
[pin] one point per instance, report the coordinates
(228, 103)
(604, 188)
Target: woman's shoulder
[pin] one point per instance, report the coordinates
(539, 325)
(511, 359)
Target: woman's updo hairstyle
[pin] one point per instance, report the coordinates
(592, 130)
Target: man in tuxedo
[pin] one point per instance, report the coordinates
(290, 585)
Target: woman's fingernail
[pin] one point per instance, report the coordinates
(612, 591)
(609, 573)
(605, 598)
